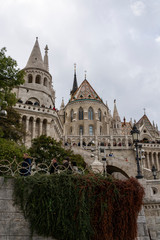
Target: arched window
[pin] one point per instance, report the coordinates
(90, 113)
(45, 82)
(80, 113)
(99, 115)
(80, 130)
(38, 79)
(100, 130)
(72, 112)
(90, 130)
(30, 78)
(44, 127)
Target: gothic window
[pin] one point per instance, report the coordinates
(90, 130)
(100, 130)
(80, 113)
(72, 112)
(24, 122)
(38, 79)
(90, 113)
(31, 126)
(71, 130)
(81, 130)
(45, 82)
(30, 78)
(99, 115)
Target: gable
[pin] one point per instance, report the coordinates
(85, 91)
(145, 121)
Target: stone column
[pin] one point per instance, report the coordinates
(33, 128)
(48, 128)
(27, 124)
(81, 144)
(111, 142)
(40, 127)
(126, 142)
(147, 160)
(157, 161)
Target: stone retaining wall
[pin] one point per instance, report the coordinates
(13, 226)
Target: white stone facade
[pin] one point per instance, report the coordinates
(86, 126)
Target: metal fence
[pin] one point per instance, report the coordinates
(14, 168)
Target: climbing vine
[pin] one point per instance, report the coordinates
(80, 207)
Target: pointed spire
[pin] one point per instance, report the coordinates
(85, 75)
(116, 116)
(46, 58)
(75, 85)
(62, 104)
(107, 104)
(153, 124)
(124, 121)
(35, 59)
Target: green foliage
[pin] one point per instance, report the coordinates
(10, 77)
(76, 207)
(10, 149)
(44, 149)
(10, 126)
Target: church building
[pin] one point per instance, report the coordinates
(85, 121)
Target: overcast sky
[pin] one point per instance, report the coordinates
(116, 41)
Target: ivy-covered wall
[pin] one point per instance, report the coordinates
(13, 226)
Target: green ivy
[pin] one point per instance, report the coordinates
(79, 207)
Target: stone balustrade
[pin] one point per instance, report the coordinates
(35, 108)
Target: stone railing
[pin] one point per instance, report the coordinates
(35, 108)
(105, 141)
(150, 145)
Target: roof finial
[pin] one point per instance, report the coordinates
(37, 38)
(144, 111)
(46, 48)
(75, 68)
(85, 75)
(114, 100)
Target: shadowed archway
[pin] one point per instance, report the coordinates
(112, 169)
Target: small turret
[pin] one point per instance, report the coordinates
(153, 124)
(46, 58)
(62, 112)
(117, 128)
(62, 104)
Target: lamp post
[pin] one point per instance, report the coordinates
(135, 136)
(154, 172)
(104, 166)
(3, 104)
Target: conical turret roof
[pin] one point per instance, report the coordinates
(35, 59)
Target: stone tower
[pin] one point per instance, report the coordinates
(36, 98)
